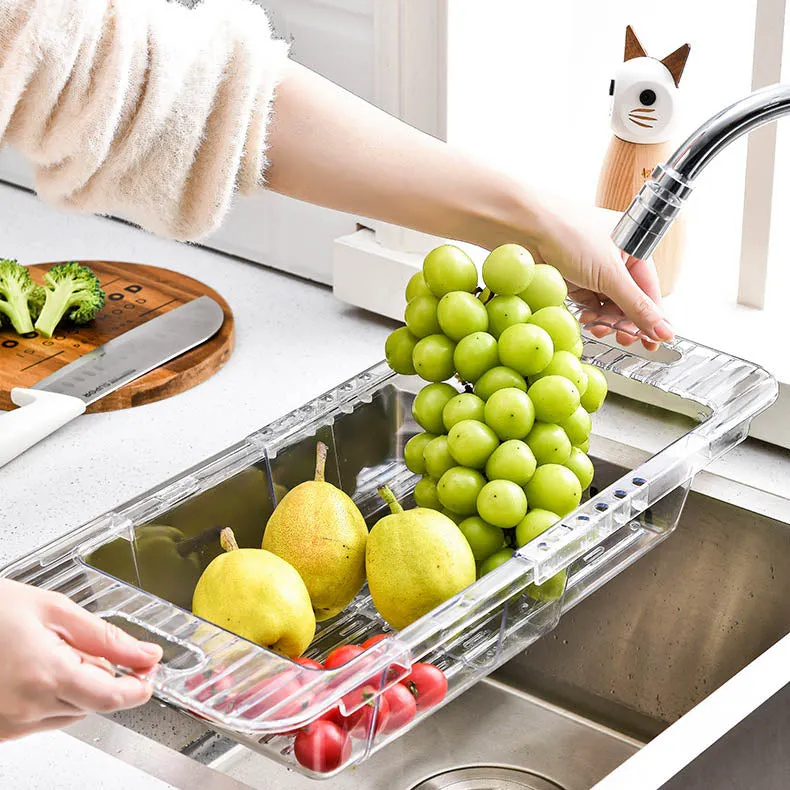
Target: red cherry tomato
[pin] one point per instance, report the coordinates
(334, 715)
(272, 691)
(427, 683)
(370, 641)
(322, 746)
(402, 705)
(360, 722)
(309, 662)
(208, 684)
(342, 655)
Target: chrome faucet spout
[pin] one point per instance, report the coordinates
(655, 207)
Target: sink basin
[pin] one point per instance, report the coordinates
(619, 668)
(666, 632)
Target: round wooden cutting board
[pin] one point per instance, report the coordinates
(135, 294)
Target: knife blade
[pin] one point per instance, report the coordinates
(136, 352)
(62, 396)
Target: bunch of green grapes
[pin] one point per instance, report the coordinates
(506, 457)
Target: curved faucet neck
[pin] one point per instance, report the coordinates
(655, 207)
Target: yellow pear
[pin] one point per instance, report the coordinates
(319, 530)
(416, 560)
(257, 595)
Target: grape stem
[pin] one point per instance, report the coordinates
(320, 461)
(389, 498)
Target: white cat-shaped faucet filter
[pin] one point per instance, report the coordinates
(644, 93)
(644, 99)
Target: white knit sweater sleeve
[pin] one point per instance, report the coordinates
(141, 109)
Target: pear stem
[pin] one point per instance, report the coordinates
(389, 498)
(228, 540)
(320, 461)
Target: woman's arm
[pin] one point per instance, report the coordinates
(329, 147)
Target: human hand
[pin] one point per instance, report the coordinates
(55, 664)
(622, 292)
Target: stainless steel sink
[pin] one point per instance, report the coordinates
(666, 632)
(618, 669)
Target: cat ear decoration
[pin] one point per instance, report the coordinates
(676, 62)
(633, 49)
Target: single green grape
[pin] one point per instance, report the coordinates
(549, 444)
(504, 311)
(595, 394)
(580, 464)
(526, 348)
(562, 327)
(474, 355)
(433, 358)
(577, 426)
(464, 406)
(460, 314)
(578, 349)
(555, 488)
(498, 378)
(458, 489)
(547, 289)
(563, 363)
(512, 460)
(421, 316)
(455, 517)
(413, 452)
(417, 287)
(428, 406)
(449, 268)
(484, 295)
(510, 413)
(437, 457)
(508, 269)
(502, 503)
(398, 350)
(494, 561)
(555, 398)
(584, 446)
(471, 442)
(483, 538)
(425, 494)
(535, 523)
(550, 590)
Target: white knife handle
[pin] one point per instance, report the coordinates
(40, 413)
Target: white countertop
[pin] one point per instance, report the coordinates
(294, 340)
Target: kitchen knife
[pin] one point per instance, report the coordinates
(66, 394)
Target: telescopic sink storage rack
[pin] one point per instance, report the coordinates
(253, 694)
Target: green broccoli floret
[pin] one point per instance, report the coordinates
(20, 297)
(70, 288)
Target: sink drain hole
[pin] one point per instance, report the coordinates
(486, 777)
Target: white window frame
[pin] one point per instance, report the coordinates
(769, 33)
